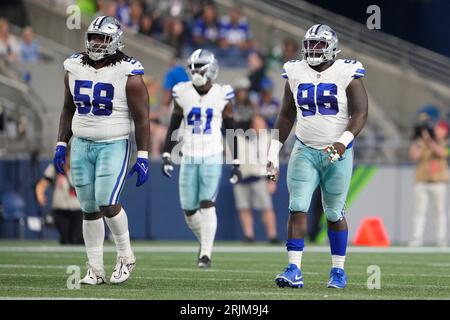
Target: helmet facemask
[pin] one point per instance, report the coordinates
(315, 51)
(98, 50)
(320, 45)
(199, 74)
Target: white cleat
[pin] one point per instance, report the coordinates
(123, 269)
(94, 276)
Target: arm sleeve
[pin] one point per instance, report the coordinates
(229, 123)
(175, 122)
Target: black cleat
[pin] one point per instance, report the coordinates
(204, 262)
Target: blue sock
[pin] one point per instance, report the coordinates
(295, 244)
(338, 242)
(295, 251)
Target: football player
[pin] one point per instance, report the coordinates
(104, 92)
(327, 97)
(203, 106)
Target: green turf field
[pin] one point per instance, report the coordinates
(167, 270)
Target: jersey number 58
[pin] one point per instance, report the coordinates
(102, 94)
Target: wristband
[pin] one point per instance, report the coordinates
(346, 138)
(142, 154)
(274, 150)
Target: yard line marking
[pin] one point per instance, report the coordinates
(276, 292)
(54, 298)
(355, 284)
(223, 249)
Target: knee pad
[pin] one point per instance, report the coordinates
(89, 206)
(298, 205)
(334, 215)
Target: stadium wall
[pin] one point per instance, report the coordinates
(154, 209)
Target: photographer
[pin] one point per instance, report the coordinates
(429, 151)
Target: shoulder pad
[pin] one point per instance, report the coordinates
(228, 92)
(134, 67)
(287, 67)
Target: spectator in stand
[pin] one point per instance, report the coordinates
(174, 34)
(206, 29)
(149, 26)
(109, 9)
(29, 48)
(257, 71)
(291, 50)
(254, 191)
(244, 108)
(123, 12)
(235, 38)
(136, 12)
(268, 104)
(288, 50)
(9, 45)
(176, 74)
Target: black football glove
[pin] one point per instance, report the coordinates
(167, 166)
(236, 174)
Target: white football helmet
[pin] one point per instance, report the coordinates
(108, 27)
(203, 66)
(320, 45)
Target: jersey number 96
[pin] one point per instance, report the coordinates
(102, 96)
(315, 98)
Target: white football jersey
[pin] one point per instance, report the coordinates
(100, 98)
(202, 135)
(321, 99)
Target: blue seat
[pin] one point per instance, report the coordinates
(14, 210)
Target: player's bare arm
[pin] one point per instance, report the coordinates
(283, 126)
(357, 106)
(175, 122)
(228, 122)
(65, 128)
(137, 97)
(358, 112)
(65, 120)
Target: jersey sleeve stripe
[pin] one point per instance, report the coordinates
(137, 71)
(359, 73)
(284, 73)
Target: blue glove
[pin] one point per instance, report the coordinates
(59, 160)
(141, 167)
